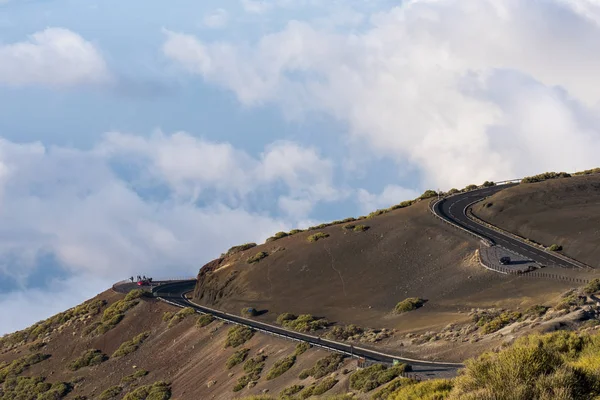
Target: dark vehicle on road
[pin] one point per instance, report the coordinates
(505, 260)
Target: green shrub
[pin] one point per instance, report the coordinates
(180, 316)
(302, 323)
(257, 257)
(377, 213)
(242, 383)
(588, 172)
(361, 228)
(555, 247)
(240, 248)
(344, 332)
(111, 393)
(237, 358)
(318, 388)
(468, 188)
(301, 348)
(157, 391)
(254, 366)
(372, 377)
(570, 300)
(36, 346)
(317, 236)
(592, 287)
(453, 191)
(135, 294)
(115, 313)
(167, 316)
(204, 320)
(402, 205)
(324, 366)
(488, 184)
(140, 373)
(428, 194)
(249, 312)
(349, 227)
(281, 318)
(25, 388)
(385, 392)
(281, 366)
(290, 391)
(435, 389)
(294, 231)
(536, 310)
(409, 304)
(238, 335)
(277, 236)
(132, 345)
(545, 176)
(87, 359)
(506, 318)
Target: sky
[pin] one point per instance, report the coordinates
(147, 137)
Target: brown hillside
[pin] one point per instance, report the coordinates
(192, 359)
(563, 211)
(358, 277)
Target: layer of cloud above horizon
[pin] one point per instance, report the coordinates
(153, 146)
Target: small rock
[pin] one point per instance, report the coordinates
(210, 383)
(265, 390)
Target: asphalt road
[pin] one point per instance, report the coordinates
(174, 293)
(453, 209)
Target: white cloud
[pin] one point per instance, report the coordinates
(53, 57)
(389, 196)
(420, 88)
(256, 6)
(216, 19)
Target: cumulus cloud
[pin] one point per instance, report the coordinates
(418, 86)
(160, 205)
(390, 195)
(53, 57)
(255, 6)
(216, 19)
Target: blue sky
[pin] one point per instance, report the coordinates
(148, 137)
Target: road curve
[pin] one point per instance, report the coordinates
(453, 209)
(174, 293)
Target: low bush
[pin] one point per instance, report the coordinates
(372, 377)
(240, 248)
(87, 359)
(592, 287)
(361, 228)
(402, 205)
(290, 391)
(349, 227)
(110, 393)
(238, 335)
(204, 320)
(254, 366)
(249, 312)
(435, 389)
(385, 392)
(242, 382)
(157, 391)
(453, 191)
(377, 213)
(281, 366)
(294, 231)
(301, 348)
(317, 236)
(470, 187)
(237, 358)
(536, 310)
(180, 316)
(570, 300)
(16, 367)
(35, 388)
(409, 304)
(257, 257)
(488, 184)
(116, 312)
(140, 373)
(318, 388)
(277, 236)
(555, 247)
(302, 323)
(428, 194)
(324, 366)
(167, 315)
(135, 294)
(588, 172)
(344, 332)
(132, 345)
(506, 318)
(544, 176)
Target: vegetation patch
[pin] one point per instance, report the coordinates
(157, 391)
(536, 310)
(19, 365)
(403, 204)
(470, 187)
(324, 366)
(294, 231)
(290, 391)
(249, 312)
(588, 172)
(25, 388)
(502, 320)
(242, 383)
(344, 332)
(428, 194)
(110, 393)
(409, 304)
(377, 213)
(277, 236)
(432, 390)
(385, 392)
(116, 312)
(301, 348)
(140, 373)
(240, 248)
(570, 300)
(361, 228)
(257, 257)
(317, 389)
(237, 358)
(545, 176)
(179, 316)
(89, 358)
(372, 377)
(302, 323)
(204, 320)
(592, 287)
(238, 335)
(281, 366)
(555, 247)
(254, 366)
(132, 345)
(317, 236)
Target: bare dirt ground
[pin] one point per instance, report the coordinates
(358, 277)
(191, 358)
(562, 211)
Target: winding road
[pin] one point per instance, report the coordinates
(452, 209)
